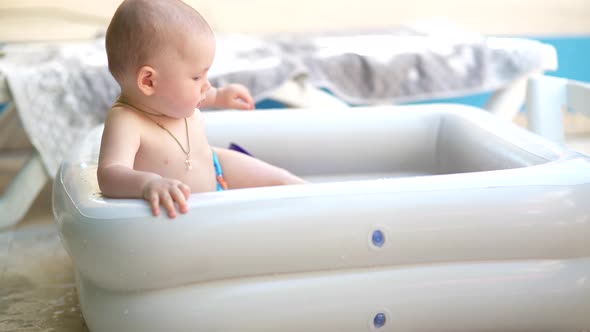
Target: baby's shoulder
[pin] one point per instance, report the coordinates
(120, 116)
(121, 120)
(120, 113)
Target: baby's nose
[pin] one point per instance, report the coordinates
(206, 86)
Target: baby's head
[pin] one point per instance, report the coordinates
(143, 32)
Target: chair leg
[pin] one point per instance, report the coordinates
(22, 191)
(545, 99)
(506, 102)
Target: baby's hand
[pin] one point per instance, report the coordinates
(166, 192)
(234, 96)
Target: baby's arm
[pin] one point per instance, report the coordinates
(230, 96)
(116, 176)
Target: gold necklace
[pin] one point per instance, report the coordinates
(187, 153)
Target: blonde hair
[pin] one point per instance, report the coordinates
(140, 28)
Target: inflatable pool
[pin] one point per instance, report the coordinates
(418, 218)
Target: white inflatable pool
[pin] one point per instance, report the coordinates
(420, 218)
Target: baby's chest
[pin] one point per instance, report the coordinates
(164, 156)
(162, 152)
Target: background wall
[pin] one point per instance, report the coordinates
(65, 19)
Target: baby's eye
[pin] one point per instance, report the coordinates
(196, 78)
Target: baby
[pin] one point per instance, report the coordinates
(154, 143)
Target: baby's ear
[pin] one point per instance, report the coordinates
(146, 80)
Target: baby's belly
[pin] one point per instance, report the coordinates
(200, 176)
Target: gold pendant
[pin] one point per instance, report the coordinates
(189, 164)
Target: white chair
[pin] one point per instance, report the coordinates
(24, 186)
(547, 96)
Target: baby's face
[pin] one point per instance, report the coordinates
(182, 78)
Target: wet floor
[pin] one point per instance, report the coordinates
(37, 290)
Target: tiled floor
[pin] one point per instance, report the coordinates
(37, 291)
